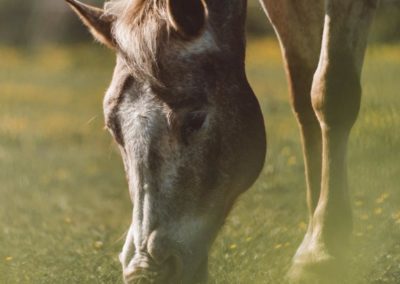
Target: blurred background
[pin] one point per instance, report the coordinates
(64, 204)
(29, 23)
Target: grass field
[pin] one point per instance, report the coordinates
(64, 206)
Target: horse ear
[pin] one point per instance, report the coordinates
(96, 20)
(187, 17)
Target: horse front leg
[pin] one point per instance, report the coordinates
(336, 96)
(299, 31)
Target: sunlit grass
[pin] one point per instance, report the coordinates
(64, 206)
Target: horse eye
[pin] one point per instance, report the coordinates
(114, 127)
(193, 122)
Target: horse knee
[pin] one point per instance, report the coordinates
(336, 94)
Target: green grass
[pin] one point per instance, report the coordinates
(64, 206)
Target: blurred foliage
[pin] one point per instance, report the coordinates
(26, 23)
(386, 27)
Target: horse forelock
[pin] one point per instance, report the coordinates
(140, 29)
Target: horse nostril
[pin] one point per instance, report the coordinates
(139, 275)
(163, 252)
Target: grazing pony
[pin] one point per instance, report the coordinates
(191, 132)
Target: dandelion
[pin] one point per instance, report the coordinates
(233, 246)
(9, 258)
(278, 246)
(67, 220)
(382, 198)
(396, 216)
(248, 239)
(98, 245)
(378, 211)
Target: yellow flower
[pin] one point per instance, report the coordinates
(98, 245)
(382, 198)
(233, 246)
(378, 211)
(396, 215)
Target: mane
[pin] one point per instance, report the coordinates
(140, 30)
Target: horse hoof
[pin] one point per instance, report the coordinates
(317, 268)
